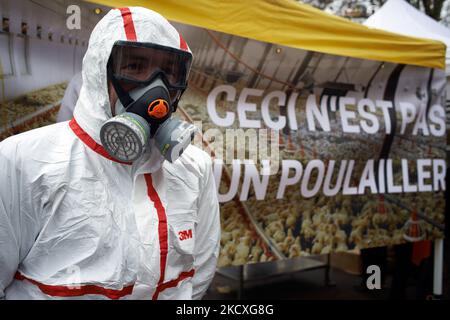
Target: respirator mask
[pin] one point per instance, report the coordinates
(149, 80)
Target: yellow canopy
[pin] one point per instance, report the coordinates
(296, 25)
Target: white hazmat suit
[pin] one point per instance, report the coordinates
(74, 223)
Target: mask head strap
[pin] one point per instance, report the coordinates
(175, 102)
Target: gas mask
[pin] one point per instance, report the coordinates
(157, 76)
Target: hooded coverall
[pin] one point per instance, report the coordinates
(74, 223)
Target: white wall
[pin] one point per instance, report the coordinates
(49, 62)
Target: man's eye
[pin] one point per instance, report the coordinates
(132, 67)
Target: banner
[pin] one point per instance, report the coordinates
(316, 153)
(313, 152)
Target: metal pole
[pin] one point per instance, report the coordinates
(241, 282)
(328, 281)
(438, 266)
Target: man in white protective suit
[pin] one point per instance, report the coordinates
(116, 203)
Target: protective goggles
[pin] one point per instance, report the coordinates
(141, 63)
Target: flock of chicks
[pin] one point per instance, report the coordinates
(419, 148)
(19, 108)
(240, 243)
(322, 225)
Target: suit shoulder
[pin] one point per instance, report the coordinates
(194, 162)
(36, 140)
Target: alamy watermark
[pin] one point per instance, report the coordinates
(73, 21)
(374, 280)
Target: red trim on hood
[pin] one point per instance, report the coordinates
(73, 291)
(183, 44)
(128, 24)
(83, 136)
(173, 283)
(162, 228)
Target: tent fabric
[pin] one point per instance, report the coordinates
(400, 17)
(296, 25)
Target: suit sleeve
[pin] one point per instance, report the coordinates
(17, 231)
(70, 99)
(207, 242)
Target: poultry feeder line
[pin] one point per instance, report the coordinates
(30, 117)
(419, 214)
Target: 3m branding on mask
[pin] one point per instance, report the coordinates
(185, 235)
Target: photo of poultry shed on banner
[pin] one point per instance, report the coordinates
(318, 147)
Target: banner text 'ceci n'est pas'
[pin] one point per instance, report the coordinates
(356, 116)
